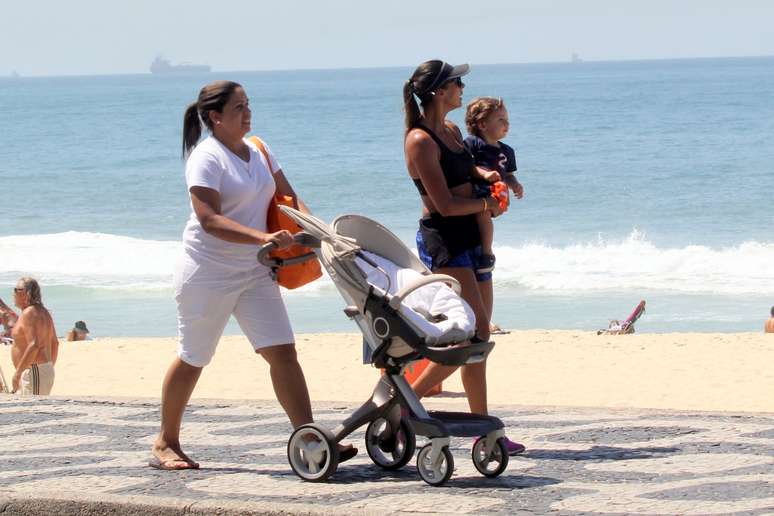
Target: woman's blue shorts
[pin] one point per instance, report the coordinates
(469, 259)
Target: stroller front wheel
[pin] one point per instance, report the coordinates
(435, 471)
(492, 464)
(313, 453)
(390, 448)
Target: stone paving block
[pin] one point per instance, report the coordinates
(89, 456)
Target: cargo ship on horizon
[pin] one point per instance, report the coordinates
(164, 66)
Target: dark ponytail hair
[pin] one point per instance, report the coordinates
(212, 97)
(419, 86)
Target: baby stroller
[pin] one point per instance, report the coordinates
(357, 252)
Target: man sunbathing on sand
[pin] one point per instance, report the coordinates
(769, 326)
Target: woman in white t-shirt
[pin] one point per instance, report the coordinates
(230, 185)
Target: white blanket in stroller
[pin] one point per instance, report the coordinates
(435, 309)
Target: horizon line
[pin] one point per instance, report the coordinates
(581, 62)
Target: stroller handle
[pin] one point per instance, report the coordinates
(300, 238)
(399, 296)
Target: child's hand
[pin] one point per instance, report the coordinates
(490, 175)
(518, 190)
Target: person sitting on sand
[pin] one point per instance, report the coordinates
(769, 326)
(79, 332)
(35, 346)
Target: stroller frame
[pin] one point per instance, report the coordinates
(393, 412)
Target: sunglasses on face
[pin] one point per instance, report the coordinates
(457, 81)
(18, 290)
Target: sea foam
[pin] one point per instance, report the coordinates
(634, 263)
(111, 261)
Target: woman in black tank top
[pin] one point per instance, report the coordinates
(448, 239)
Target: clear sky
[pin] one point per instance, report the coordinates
(54, 37)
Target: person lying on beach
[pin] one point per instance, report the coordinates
(769, 326)
(230, 183)
(35, 347)
(79, 332)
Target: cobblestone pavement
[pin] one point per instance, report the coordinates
(89, 456)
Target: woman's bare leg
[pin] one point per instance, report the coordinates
(474, 382)
(487, 297)
(431, 376)
(179, 383)
(289, 383)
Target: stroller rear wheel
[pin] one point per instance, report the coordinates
(494, 463)
(390, 448)
(435, 471)
(313, 453)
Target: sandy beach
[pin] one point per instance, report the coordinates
(684, 371)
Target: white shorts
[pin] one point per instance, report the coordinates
(207, 295)
(37, 380)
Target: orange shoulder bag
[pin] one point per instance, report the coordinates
(299, 274)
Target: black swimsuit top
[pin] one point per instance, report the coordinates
(456, 166)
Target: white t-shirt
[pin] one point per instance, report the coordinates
(245, 191)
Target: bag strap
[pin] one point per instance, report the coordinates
(262, 147)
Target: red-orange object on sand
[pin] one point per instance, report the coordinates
(413, 371)
(500, 192)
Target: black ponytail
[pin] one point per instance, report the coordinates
(192, 128)
(410, 106)
(420, 85)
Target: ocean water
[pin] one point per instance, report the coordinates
(643, 180)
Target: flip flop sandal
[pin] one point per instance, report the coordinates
(157, 463)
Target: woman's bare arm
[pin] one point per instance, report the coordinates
(285, 188)
(206, 205)
(422, 156)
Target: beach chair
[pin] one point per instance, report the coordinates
(627, 326)
(394, 300)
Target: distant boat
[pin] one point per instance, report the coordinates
(575, 58)
(164, 66)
